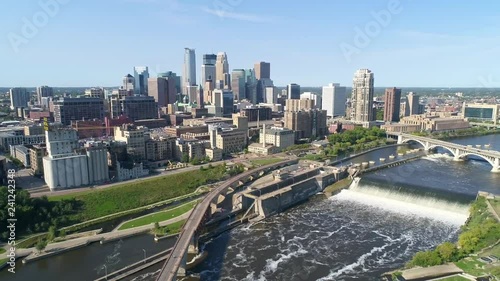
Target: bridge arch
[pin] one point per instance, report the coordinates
(452, 151)
(415, 140)
(492, 163)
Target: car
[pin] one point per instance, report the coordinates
(485, 260)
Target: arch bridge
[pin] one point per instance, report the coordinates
(458, 151)
(175, 265)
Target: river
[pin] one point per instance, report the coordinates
(374, 227)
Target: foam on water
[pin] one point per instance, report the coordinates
(455, 213)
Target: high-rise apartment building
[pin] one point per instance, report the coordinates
(317, 99)
(293, 91)
(135, 139)
(307, 121)
(221, 68)
(334, 99)
(413, 103)
(392, 101)
(362, 96)
(42, 92)
(19, 97)
(75, 109)
(238, 84)
(262, 70)
(189, 70)
(141, 76)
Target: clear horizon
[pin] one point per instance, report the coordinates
(57, 43)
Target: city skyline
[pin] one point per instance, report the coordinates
(425, 51)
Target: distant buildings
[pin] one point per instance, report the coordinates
(392, 101)
(334, 100)
(293, 91)
(238, 84)
(481, 112)
(427, 123)
(141, 76)
(19, 98)
(97, 93)
(73, 109)
(413, 104)
(189, 70)
(222, 71)
(135, 108)
(272, 140)
(255, 113)
(43, 92)
(361, 109)
(163, 90)
(128, 82)
(135, 139)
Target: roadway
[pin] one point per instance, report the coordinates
(170, 268)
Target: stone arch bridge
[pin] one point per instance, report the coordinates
(459, 151)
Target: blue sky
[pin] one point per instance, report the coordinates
(96, 42)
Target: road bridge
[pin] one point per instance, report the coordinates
(187, 243)
(458, 151)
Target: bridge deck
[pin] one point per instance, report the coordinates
(171, 266)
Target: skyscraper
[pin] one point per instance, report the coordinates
(334, 99)
(262, 70)
(162, 89)
(19, 97)
(362, 96)
(42, 92)
(238, 84)
(208, 68)
(221, 67)
(141, 75)
(189, 71)
(293, 91)
(413, 103)
(128, 82)
(392, 102)
(75, 109)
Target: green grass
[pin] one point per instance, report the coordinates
(454, 278)
(160, 216)
(472, 266)
(98, 203)
(263, 162)
(2, 261)
(172, 228)
(2, 250)
(495, 203)
(314, 157)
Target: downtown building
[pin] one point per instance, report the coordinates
(135, 108)
(19, 98)
(189, 70)
(392, 101)
(43, 92)
(304, 119)
(67, 110)
(293, 91)
(361, 109)
(222, 76)
(334, 98)
(208, 68)
(141, 76)
(163, 90)
(67, 166)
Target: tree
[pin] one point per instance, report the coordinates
(447, 251)
(427, 258)
(40, 245)
(62, 233)
(185, 158)
(52, 233)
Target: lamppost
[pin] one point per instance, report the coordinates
(144, 255)
(106, 271)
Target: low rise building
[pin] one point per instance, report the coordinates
(37, 152)
(135, 138)
(21, 153)
(136, 171)
(436, 123)
(482, 112)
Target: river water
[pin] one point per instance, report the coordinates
(374, 227)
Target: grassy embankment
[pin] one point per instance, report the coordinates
(170, 229)
(476, 131)
(160, 216)
(479, 237)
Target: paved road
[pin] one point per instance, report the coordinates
(169, 269)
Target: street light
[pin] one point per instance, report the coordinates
(106, 271)
(144, 255)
